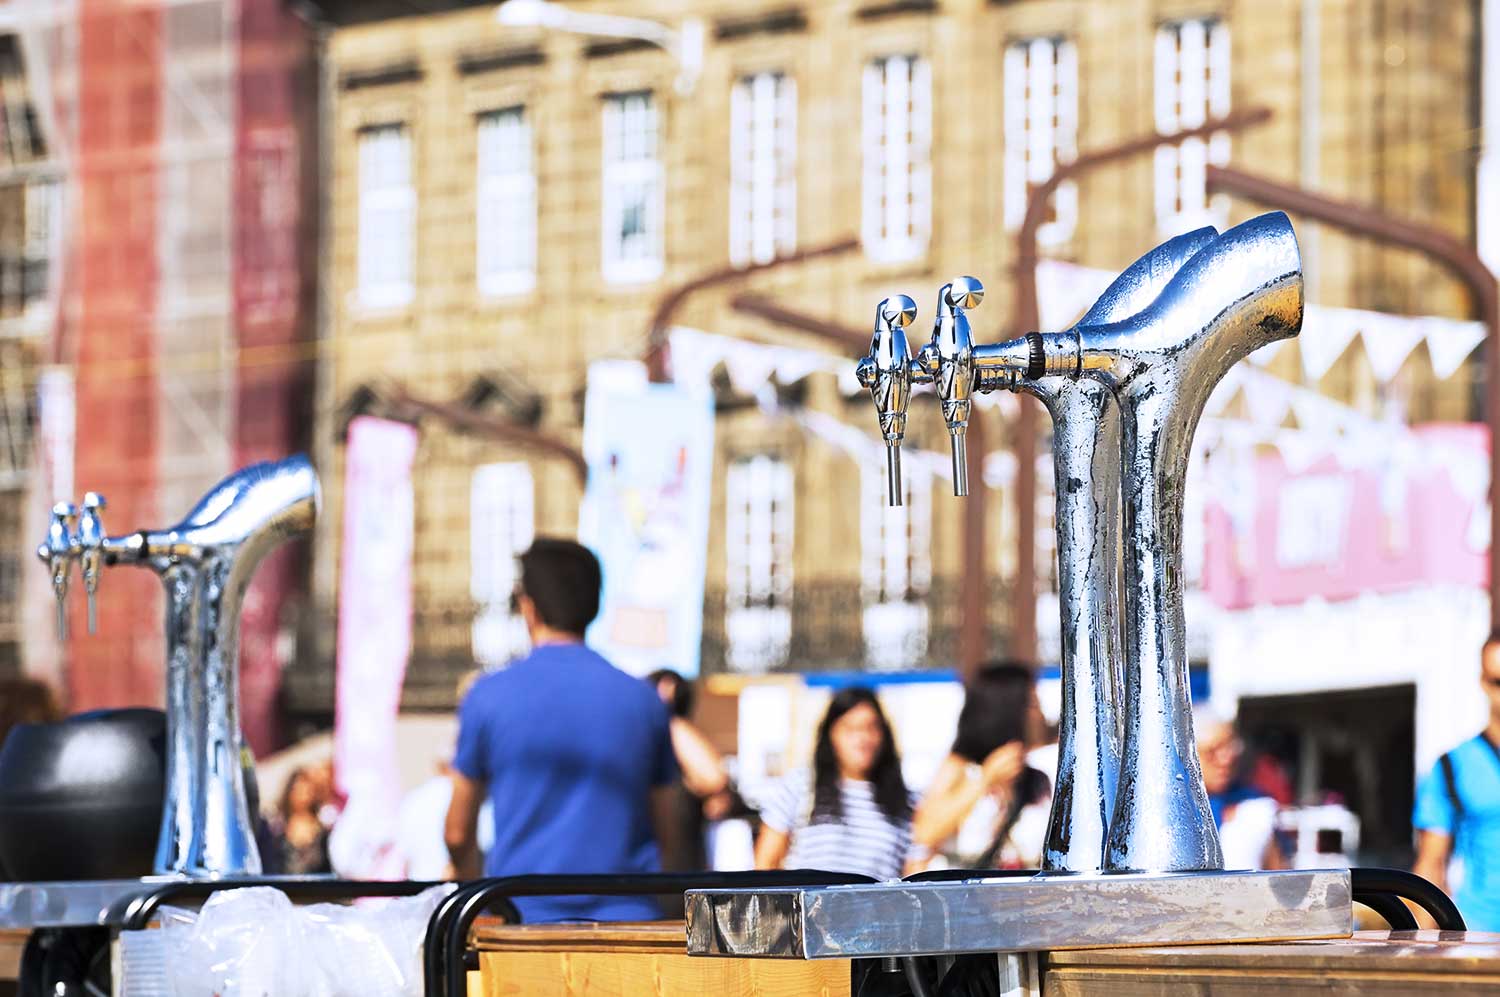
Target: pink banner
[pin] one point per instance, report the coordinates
(374, 638)
(1418, 516)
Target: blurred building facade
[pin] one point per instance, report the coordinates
(507, 205)
(156, 234)
(28, 252)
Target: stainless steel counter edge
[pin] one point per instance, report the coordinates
(1018, 915)
(79, 903)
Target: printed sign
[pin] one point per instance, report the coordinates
(645, 513)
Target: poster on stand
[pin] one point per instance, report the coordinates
(650, 451)
(374, 641)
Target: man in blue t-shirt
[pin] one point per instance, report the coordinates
(1458, 812)
(574, 754)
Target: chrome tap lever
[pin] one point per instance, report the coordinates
(887, 372)
(91, 550)
(57, 552)
(951, 358)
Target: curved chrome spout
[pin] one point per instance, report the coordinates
(1238, 293)
(1085, 463)
(206, 563)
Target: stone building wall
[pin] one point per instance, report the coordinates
(1387, 121)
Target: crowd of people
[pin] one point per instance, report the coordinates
(565, 764)
(589, 770)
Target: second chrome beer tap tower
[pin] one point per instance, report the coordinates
(205, 563)
(1132, 854)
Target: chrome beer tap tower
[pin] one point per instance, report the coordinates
(1132, 854)
(205, 563)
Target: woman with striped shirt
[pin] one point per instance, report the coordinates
(853, 812)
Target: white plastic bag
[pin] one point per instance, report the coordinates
(254, 942)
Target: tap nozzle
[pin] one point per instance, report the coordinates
(887, 373)
(91, 550)
(951, 359)
(57, 552)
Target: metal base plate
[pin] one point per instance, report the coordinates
(1019, 915)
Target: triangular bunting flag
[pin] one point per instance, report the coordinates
(1449, 343)
(1267, 353)
(1267, 399)
(1325, 335)
(1389, 340)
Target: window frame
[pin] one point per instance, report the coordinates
(1026, 144)
(502, 524)
(492, 188)
(896, 153)
(759, 548)
(372, 202)
(618, 173)
(886, 610)
(1186, 93)
(762, 167)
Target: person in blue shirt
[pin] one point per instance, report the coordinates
(1457, 813)
(574, 754)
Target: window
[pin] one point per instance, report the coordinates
(1192, 85)
(758, 550)
(897, 192)
(763, 169)
(505, 222)
(387, 210)
(30, 193)
(632, 190)
(895, 568)
(501, 523)
(1041, 130)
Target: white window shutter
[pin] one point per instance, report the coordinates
(386, 218)
(505, 244)
(1192, 85)
(872, 157)
(633, 193)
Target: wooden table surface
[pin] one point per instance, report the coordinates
(1372, 962)
(12, 941)
(650, 958)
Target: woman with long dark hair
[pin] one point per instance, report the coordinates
(853, 812)
(986, 808)
(300, 842)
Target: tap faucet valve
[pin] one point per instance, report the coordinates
(91, 550)
(887, 373)
(57, 552)
(950, 357)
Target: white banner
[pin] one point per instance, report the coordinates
(650, 451)
(374, 642)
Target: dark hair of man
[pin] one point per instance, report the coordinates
(681, 703)
(996, 703)
(563, 580)
(885, 776)
(26, 701)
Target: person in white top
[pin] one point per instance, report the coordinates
(852, 813)
(986, 807)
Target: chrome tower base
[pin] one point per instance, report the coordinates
(1041, 913)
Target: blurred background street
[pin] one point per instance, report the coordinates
(602, 269)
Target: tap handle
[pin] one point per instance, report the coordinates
(91, 550)
(887, 372)
(951, 357)
(57, 551)
(963, 292)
